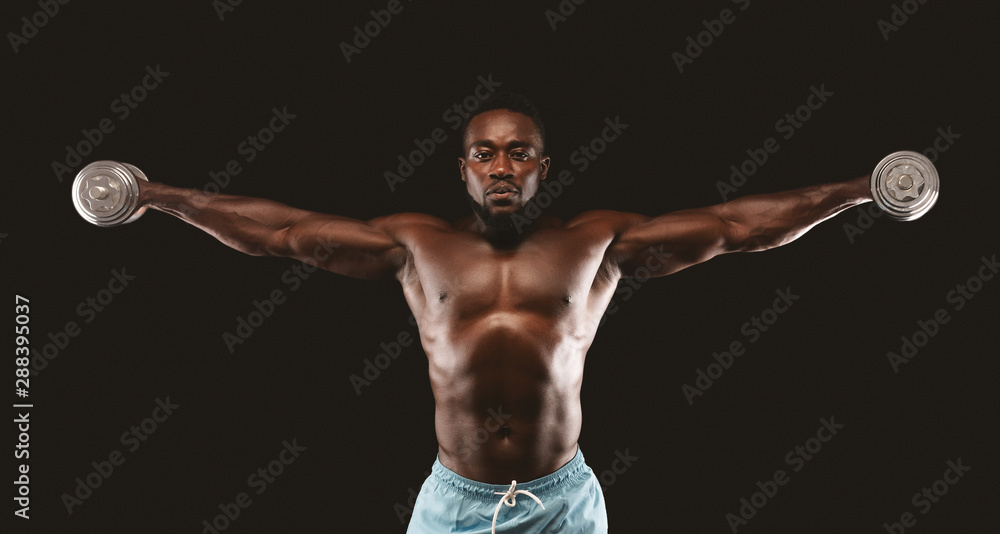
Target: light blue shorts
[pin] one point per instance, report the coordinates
(571, 496)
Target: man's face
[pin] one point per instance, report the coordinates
(503, 164)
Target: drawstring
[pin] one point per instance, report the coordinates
(508, 499)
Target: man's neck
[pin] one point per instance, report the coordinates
(507, 237)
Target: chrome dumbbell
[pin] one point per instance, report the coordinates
(905, 185)
(106, 193)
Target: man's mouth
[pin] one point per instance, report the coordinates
(502, 192)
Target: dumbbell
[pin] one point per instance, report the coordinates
(106, 193)
(905, 185)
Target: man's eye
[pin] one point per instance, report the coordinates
(481, 155)
(522, 155)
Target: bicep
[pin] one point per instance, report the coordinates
(351, 247)
(668, 243)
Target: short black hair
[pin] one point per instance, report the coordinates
(509, 101)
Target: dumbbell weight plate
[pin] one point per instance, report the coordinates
(905, 185)
(106, 193)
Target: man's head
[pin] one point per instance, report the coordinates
(503, 158)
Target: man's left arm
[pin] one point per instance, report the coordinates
(671, 242)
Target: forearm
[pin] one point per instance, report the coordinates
(243, 223)
(766, 221)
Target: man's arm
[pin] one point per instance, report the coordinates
(671, 242)
(360, 249)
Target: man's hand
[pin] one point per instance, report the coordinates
(749, 224)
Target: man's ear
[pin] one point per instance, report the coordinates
(461, 167)
(544, 164)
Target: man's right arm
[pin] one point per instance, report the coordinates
(259, 227)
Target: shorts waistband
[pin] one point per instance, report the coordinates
(574, 469)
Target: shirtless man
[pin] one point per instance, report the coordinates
(506, 312)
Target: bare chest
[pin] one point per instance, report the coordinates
(548, 273)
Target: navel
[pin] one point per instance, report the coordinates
(441, 296)
(567, 300)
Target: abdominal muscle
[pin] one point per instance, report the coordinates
(507, 397)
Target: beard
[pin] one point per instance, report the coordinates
(503, 223)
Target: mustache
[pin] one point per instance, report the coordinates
(502, 184)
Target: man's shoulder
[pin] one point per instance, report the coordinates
(410, 228)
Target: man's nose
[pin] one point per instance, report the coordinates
(501, 169)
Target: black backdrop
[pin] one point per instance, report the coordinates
(861, 283)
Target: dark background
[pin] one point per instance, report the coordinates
(162, 335)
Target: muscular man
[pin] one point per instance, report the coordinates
(507, 306)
